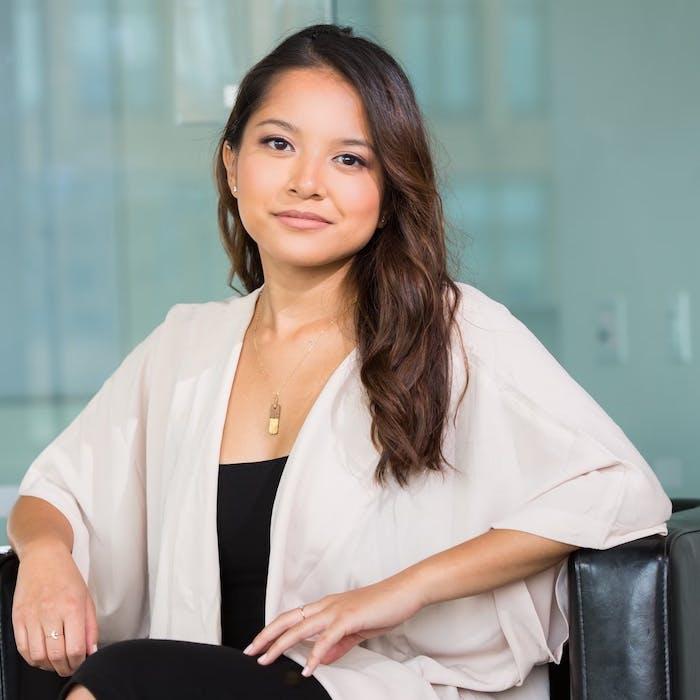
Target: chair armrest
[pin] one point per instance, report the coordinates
(634, 618)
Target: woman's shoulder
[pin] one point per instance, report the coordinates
(480, 311)
(489, 330)
(500, 344)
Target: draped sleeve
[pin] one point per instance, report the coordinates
(576, 477)
(94, 473)
(561, 469)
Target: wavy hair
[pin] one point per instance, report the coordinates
(406, 299)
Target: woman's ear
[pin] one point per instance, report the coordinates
(228, 155)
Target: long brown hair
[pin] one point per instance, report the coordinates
(403, 317)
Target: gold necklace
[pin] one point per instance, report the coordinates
(273, 423)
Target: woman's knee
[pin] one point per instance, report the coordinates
(114, 660)
(80, 692)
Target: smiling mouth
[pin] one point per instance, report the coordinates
(301, 223)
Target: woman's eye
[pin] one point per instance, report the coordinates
(358, 161)
(274, 138)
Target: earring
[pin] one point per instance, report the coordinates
(235, 189)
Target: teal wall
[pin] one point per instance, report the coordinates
(626, 145)
(565, 133)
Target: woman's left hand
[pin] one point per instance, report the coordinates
(342, 620)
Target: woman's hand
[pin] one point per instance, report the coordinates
(50, 594)
(341, 619)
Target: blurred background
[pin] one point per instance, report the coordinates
(566, 135)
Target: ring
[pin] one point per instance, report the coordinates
(54, 634)
(301, 610)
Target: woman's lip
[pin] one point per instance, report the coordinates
(303, 224)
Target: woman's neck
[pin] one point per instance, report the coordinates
(280, 315)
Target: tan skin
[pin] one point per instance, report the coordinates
(304, 273)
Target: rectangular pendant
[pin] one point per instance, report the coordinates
(273, 425)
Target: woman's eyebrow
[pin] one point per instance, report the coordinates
(295, 130)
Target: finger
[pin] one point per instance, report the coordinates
(74, 631)
(330, 638)
(311, 626)
(91, 628)
(338, 650)
(56, 648)
(37, 649)
(283, 622)
(21, 640)
(260, 642)
(266, 636)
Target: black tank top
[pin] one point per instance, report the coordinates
(246, 493)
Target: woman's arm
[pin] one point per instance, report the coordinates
(34, 521)
(485, 562)
(343, 620)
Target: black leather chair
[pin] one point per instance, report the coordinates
(634, 622)
(634, 617)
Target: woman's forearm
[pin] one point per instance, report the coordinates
(35, 522)
(481, 564)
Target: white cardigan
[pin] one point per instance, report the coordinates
(136, 475)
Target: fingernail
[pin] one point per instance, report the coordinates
(306, 672)
(262, 659)
(94, 649)
(247, 649)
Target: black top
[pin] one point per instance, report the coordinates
(244, 507)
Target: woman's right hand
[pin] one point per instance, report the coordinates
(50, 594)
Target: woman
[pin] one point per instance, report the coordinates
(388, 509)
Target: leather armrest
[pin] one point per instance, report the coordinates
(635, 618)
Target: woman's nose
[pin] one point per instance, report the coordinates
(307, 176)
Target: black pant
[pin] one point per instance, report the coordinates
(150, 669)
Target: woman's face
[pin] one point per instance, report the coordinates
(305, 165)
